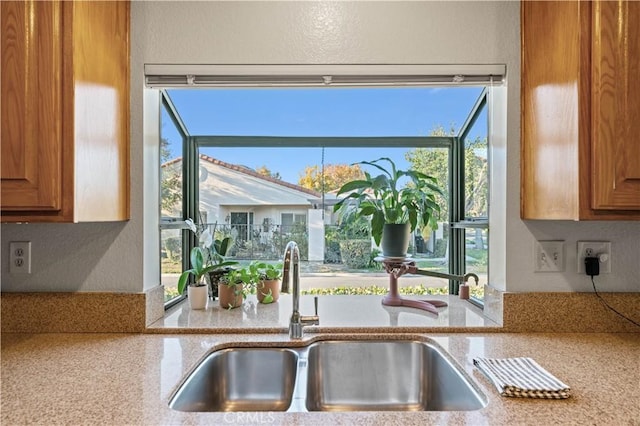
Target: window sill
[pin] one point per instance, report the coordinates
(337, 314)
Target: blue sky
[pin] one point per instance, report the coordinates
(392, 111)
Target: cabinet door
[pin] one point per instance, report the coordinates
(100, 109)
(551, 60)
(615, 149)
(31, 48)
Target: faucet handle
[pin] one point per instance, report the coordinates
(315, 303)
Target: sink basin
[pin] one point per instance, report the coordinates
(330, 375)
(384, 376)
(240, 379)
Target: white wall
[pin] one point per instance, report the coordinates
(315, 33)
(315, 227)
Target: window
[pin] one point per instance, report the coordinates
(173, 244)
(289, 220)
(263, 174)
(474, 223)
(242, 226)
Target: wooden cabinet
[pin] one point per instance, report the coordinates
(65, 111)
(580, 139)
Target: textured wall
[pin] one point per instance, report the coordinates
(311, 33)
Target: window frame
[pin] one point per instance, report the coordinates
(455, 145)
(166, 223)
(459, 223)
(447, 142)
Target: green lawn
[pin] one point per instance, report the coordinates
(171, 267)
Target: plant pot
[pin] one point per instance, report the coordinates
(197, 296)
(214, 278)
(395, 239)
(230, 295)
(264, 287)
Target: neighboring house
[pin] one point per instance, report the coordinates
(254, 206)
(262, 213)
(238, 195)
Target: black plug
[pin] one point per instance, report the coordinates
(592, 266)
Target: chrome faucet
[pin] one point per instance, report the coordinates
(292, 261)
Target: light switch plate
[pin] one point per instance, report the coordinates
(549, 256)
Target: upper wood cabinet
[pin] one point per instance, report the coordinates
(580, 139)
(65, 111)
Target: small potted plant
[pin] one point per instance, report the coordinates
(217, 252)
(394, 212)
(197, 291)
(235, 284)
(214, 253)
(268, 285)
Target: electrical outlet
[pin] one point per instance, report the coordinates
(599, 249)
(549, 256)
(20, 257)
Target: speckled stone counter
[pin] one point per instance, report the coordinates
(566, 312)
(338, 314)
(118, 379)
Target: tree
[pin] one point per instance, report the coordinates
(265, 171)
(170, 181)
(335, 175)
(435, 162)
(476, 185)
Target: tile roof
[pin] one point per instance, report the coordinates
(250, 172)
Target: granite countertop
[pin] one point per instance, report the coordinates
(338, 314)
(117, 379)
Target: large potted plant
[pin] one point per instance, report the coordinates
(394, 211)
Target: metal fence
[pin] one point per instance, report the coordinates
(262, 242)
(267, 242)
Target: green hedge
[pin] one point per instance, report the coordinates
(418, 290)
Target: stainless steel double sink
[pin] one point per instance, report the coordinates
(330, 375)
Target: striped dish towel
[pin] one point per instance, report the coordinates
(522, 377)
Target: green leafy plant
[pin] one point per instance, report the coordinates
(373, 264)
(332, 244)
(356, 228)
(355, 253)
(268, 298)
(379, 198)
(269, 271)
(198, 269)
(218, 251)
(213, 251)
(248, 276)
(251, 276)
(296, 232)
(236, 279)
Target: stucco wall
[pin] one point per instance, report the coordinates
(92, 257)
